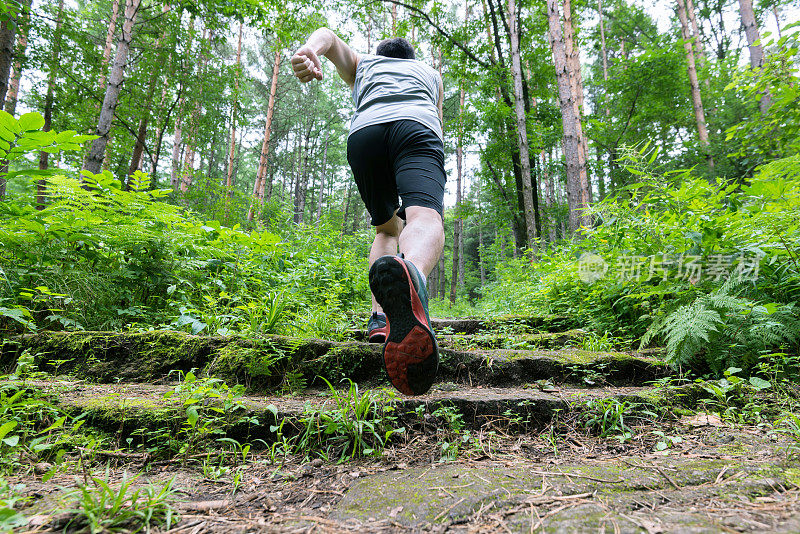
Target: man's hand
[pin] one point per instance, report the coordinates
(306, 65)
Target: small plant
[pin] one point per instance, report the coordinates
(595, 343)
(10, 499)
(103, 508)
(664, 441)
(358, 424)
(607, 417)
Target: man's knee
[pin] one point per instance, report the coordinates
(428, 216)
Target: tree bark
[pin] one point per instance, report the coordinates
(521, 128)
(41, 185)
(754, 43)
(322, 176)
(260, 185)
(697, 101)
(576, 85)
(232, 149)
(187, 175)
(95, 158)
(112, 28)
(8, 30)
(577, 182)
(23, 26)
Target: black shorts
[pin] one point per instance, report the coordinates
(402, 158)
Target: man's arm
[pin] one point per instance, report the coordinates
(324, 42)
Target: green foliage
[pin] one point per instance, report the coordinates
(102, 507)
(10, 501)
(709, 319)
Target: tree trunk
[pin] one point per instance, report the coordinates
(753, 41)
(576, 85)
(95, 158)
(232, 149)
(604, 55)
(41, 185)
(141, 134)
(577, 182)
(521, 128)
(19, 53)
(8, 30)
(697, 100)
(322, 177)
(187, 175)
(259, 185)
(176, 148)
(112, 28)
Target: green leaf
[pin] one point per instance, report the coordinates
(11, 441)
(31, 121)
(760, 383)
(6, 428)
(8, 122)
(192, 415)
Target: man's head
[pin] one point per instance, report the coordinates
(398, 47)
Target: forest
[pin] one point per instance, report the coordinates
(622, 175)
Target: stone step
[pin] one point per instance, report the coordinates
(153, 410)
(268, 363)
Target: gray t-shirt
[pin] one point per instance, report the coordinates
(389, 89)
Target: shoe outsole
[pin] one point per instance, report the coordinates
(410, 354)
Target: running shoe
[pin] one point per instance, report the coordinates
(377, 328)
(410, 355)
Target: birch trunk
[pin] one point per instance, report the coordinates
(260, 185)
(458, 224)
(697, 101)
(95, 158)
(19, 53)
(187, 176)
(521, 128)
(8, 30)
(753, 41)
(322, 177)
(577, 182)
(112, 29)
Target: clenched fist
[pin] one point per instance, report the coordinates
(306, 65)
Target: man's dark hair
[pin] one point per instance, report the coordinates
(398, 47)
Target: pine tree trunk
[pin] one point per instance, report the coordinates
(260, 185)
(756, 50)
(176, 148)
(577, 182)
(697, 101)
(141, 133)
(521, 128)
(19, 53)
(187, 174)
(95, 158)
(322, 177)
(232, 149)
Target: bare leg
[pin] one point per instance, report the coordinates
(422, 240)
(385, 244)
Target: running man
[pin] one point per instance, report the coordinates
(395, 148)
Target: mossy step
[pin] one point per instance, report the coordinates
(494, 340)
(503, 324)
(515, 324)
(271, 362)
(504, 367)
(147, 409)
